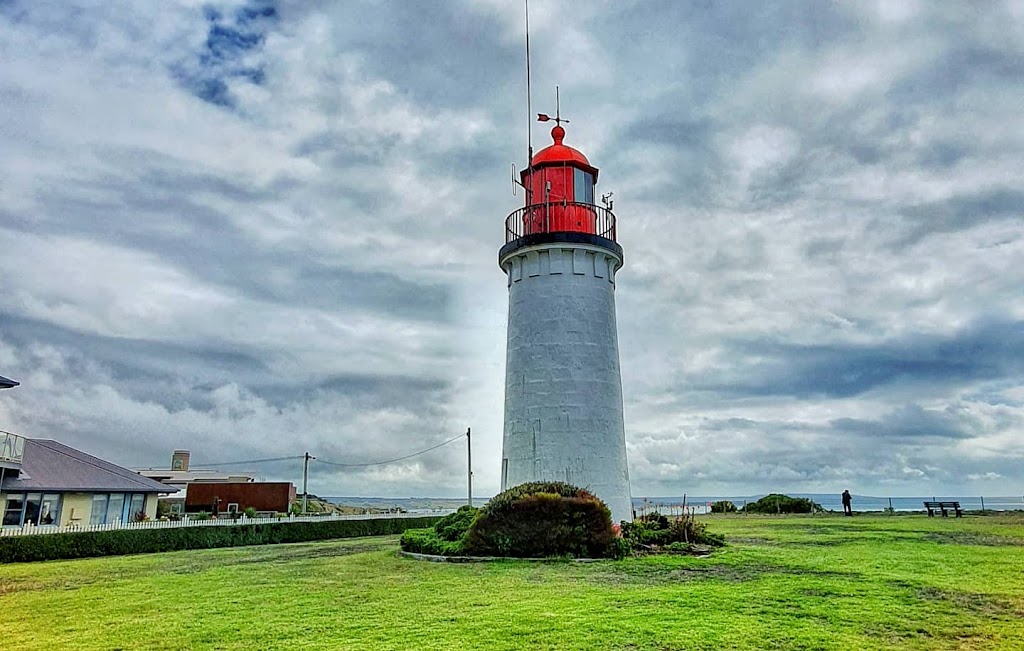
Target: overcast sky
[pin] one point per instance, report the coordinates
(252, 229)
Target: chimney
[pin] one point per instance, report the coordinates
(179, 460)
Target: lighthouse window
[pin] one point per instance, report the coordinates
(583, 186)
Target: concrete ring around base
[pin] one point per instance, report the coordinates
(433, 558)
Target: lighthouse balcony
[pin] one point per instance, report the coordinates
(560, 222)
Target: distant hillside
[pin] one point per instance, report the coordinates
(412, 504)
(317, 504)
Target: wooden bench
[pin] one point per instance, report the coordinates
(943, 507)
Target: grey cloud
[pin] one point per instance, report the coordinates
(428, 51)
(985, 352)
(963, 212)
(910, 421)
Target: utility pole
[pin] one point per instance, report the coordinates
(305, 480)
(469, 462)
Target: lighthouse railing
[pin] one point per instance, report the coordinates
(560, 217)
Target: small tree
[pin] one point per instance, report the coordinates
(723, 506)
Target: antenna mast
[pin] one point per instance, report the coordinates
(529, 103)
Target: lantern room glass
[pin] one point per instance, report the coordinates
(583, 186)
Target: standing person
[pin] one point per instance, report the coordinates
(847, 498)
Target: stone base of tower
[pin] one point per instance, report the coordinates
(563, 389)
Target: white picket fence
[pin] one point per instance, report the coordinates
(32, 530)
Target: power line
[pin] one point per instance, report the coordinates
(381, 463)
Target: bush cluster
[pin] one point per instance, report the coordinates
(83, 544)
(777, 503)
(453, 527)
(542, 519)
(553, 519)
(533, 520)
(444, 538)
(426, 541)
(723, 506)
(654, 531)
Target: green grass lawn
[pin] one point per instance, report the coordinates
(822, 582)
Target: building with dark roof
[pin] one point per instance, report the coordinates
(179, 476)
(53, 484)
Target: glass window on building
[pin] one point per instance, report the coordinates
(583, 186)
(12, 509)
(32, 503)
(98, 514)
(37, 508)
(137, 510)
(49, 511)
(115, 508)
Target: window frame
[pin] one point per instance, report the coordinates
(129, 504)
(583, 180)
(123, 516)
(23, 497)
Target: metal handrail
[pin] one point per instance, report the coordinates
(12, 447)
(556, 217)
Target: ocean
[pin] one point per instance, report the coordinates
(833, 502)
(828, 501)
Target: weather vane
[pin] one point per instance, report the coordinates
(544, 117)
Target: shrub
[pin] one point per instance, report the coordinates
(723, 506)
(542, 519)
(428, 541)
(684, 530)
(250, 512)
(679, 548)
(444, 538)
(115, 542)
(454, 526)
(643, 532)
(777, 503)
(688, 530)
(620, 548)
(202, 515)
(654, 518)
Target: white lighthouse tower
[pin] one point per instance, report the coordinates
(563, 388)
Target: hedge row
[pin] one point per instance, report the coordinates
(17, 549)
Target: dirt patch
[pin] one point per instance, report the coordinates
(981, 604)
(737, 540)
(962, 600)
(10, 587)
(972, 538)
(664, 574)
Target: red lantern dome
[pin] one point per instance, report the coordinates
(560, 191)
(559, 153)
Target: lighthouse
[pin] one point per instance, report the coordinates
(563, 387)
